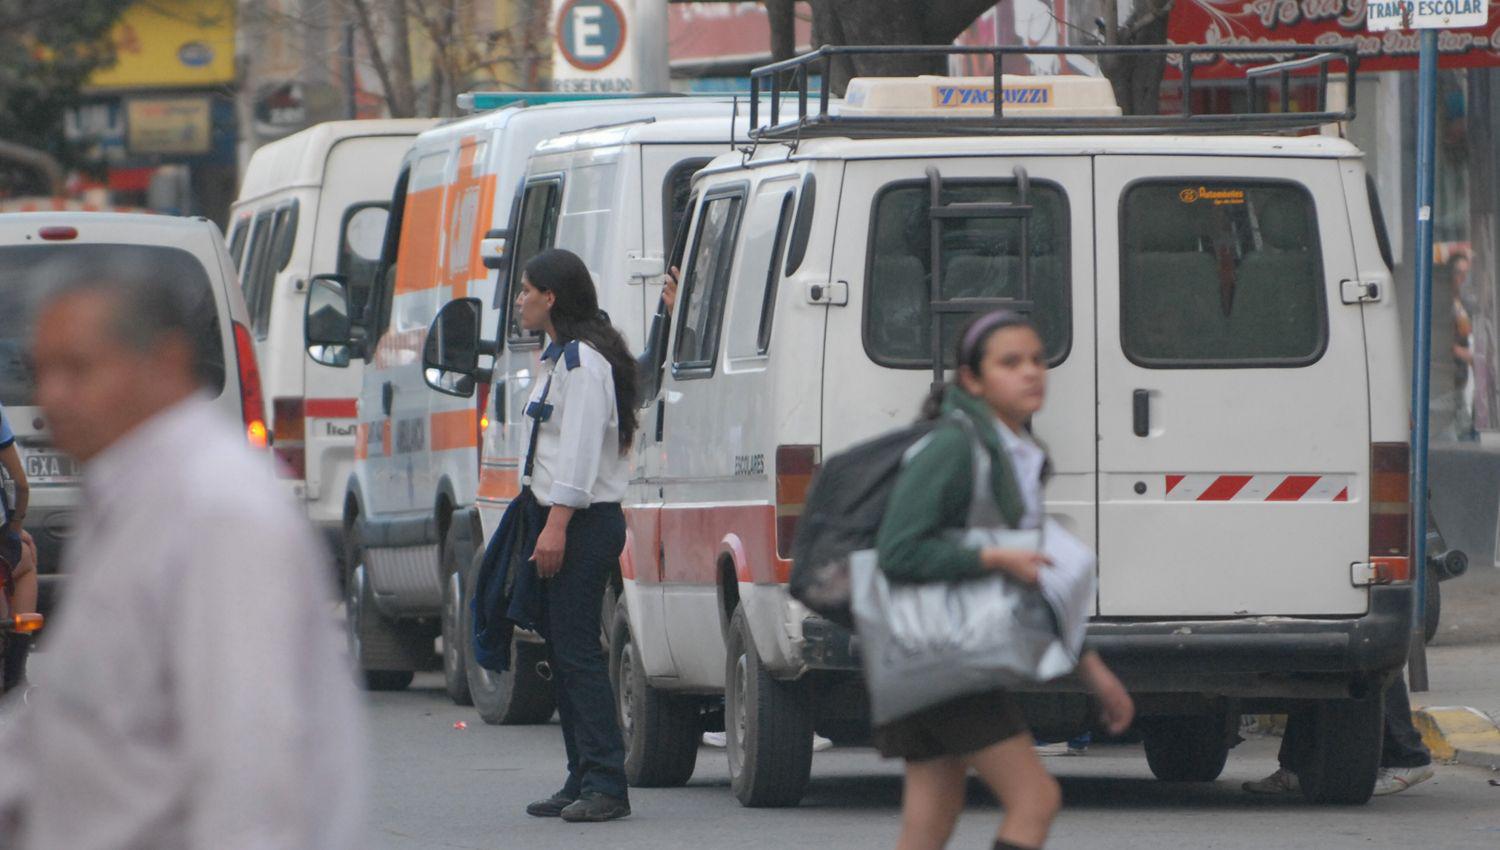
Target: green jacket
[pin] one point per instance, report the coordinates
(932, 498)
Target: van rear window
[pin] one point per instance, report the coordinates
(1220, 274)
(26, 270)
(981, 259)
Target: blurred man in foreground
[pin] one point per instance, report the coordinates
(193, 694)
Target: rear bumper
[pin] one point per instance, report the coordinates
(1255, 657)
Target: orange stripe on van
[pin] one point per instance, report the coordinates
(454, 429)
(362, 441)
(421, 234)
(499, 483)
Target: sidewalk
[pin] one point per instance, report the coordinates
(1462, 668)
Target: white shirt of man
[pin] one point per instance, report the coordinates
(193, 694)
(1026, 461)
(578, 460)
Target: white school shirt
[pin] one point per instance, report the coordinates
(194, 694)
(1026, 460)
(578, 459)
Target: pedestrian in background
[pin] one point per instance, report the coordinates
(583, 412)
(1001, 384)
(196, 694)
(17, 555)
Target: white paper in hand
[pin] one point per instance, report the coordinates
(1068, 584)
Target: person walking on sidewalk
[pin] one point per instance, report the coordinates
(196, 694)
(1001, 384)
(1404, 760)
(583, 411)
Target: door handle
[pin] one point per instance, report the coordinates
(1142, 413)
(661, 419)
(387, 397)
(501, 404)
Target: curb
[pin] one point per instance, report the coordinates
(1459, 734)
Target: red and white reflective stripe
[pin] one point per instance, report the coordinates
(1257, 488)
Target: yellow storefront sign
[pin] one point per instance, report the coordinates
(172, 43)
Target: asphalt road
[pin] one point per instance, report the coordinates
(436, 786)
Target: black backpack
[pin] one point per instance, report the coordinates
(842, 515)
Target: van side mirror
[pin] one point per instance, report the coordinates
(329, 336)
(450, 358)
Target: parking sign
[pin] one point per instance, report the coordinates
(590, 33)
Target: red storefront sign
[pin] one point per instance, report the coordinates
(1251, 23)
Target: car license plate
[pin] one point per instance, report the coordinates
(50, 468)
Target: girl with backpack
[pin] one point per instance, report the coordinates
(1000, 384)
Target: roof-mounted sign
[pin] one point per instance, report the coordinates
(927, 96)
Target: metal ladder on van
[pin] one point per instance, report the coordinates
(940, 214)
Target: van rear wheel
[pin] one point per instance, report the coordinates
(661, 730)
(768, 724)
(1189, 749)
(1346, 752)
(519, 696)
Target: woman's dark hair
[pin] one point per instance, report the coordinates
(968, 350)
(576, 315)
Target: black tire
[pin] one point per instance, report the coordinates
(1433, 610)
(1346, 755)
(518, 697)
(370, 637)
(457, 551)
(661, 730)
(768, 724)
(1189, 749)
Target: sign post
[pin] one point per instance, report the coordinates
(1429, 16)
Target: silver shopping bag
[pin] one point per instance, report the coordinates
(924, 644)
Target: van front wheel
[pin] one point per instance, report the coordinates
(519, 696)
(661, 730)
(769, 726)
(457, 550)
(1346, 755)
(1189, 749)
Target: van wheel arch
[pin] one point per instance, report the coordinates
(729, 594)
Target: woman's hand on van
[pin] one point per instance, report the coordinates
(669, 289)
(1022, 565)
(1116, 708)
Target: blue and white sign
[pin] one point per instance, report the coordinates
(1381, 15)
(591, 33)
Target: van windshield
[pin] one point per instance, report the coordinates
(981, 259)
(25, 270)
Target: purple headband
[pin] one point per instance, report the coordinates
(988, 324)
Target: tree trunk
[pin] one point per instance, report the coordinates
(1137, 79)
(783, 16)
(404, 95)
(890, 22)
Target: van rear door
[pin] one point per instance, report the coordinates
(878, 350)
(1233, 395)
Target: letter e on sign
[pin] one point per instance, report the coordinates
(590, 33)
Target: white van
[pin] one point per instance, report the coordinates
(314, 202)
(416, 450)
(1226, 418)
(191, 252)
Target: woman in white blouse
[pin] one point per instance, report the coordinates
(582, 412)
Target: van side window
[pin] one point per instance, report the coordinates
(701, 301)
(238, 235)
(768, 220)
(535, 232)
(981, 259)
(258, 259)
(1220, 273)
(361, 234)
(675, 188)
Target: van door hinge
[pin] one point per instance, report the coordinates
(641, 267)
(833, 294)
(1359, 291)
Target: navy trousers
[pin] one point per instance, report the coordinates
(1403, 745)
(570, 623)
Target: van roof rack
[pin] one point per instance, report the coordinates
(937, 118)
(486, 101)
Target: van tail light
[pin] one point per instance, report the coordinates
(288, 419)
(481, 418)
(795, 466)
(252, 400)
(1390, 512)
